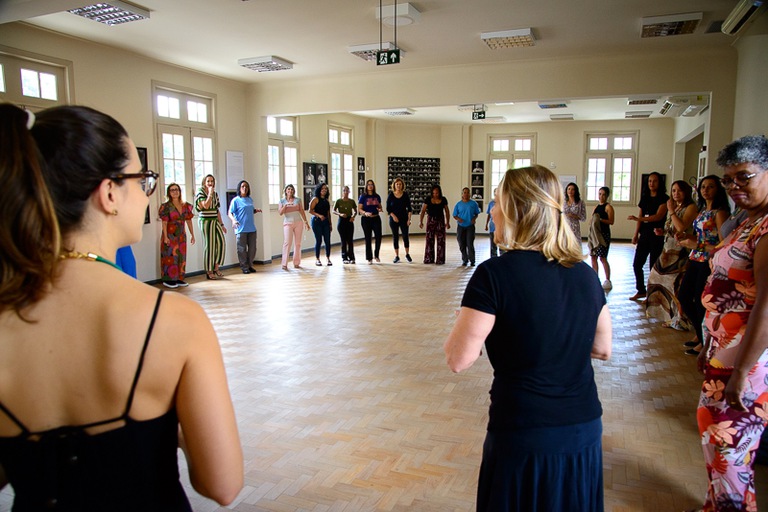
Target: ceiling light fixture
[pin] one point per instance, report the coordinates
(638, 114)
(400, 14)
(508, 38)
(266, 63)
(494, 120)
(400, 112)
(672, 25)
(561, 117)
(112, 13)
(544, 105)
(368, 51)
(472, 107)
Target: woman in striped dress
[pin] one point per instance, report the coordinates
(207, 204)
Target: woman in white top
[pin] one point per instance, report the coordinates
(291, 209)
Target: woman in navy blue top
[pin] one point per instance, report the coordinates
(541, 313)
(369, 208)
(104, 378)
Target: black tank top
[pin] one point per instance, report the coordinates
(129, 468)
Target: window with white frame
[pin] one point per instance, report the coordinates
(186, 139)
(340, 149)
(510, 152)
(610, 162)
(33, 82)
(282, 157)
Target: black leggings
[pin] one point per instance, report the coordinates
(689, 294)
(648, 244)
(402, 226)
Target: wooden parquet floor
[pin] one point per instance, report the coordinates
(344, 401)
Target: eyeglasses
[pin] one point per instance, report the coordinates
(741, 179)
(148, 179)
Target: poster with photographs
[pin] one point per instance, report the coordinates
(418, 174)
(360, 176)
(310, 174)
(477, 181)
(309, 193)
(477, 167)
(322, 174)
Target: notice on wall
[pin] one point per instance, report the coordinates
(235, 171)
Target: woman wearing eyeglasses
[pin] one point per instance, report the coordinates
(174, 213)
(100, 383)
(733, 405)
(207, 204)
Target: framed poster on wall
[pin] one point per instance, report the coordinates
(144, 167)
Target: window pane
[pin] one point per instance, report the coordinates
(48, 86)
(622, 178)
(598, 143)
(624, 143)
(501, 145)
(271, 125)
(286, 127)
(30, 86)
(346, 138)
(202, 157)
(348, 168)
(333, 136)
(174, 108)
(595, 177)
(291, 165)
(498, 168)
(162, 106)
(522, 162)
(192, 111)
(335, 174)
(522, 144)
(273, 174)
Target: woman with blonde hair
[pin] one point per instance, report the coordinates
(545, 414)
(101, 383)
(399, 211)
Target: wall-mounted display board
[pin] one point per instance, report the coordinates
(360, 176)
(477, 182)
(418, 173)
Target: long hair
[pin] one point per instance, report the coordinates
(285, 190)
(396, 180)
(49, 172)
(686, 189)
(645, 191)
(530, 201)
(240, 185)
(365, 190)
(319, 190)
(439, 190)
(720, 201)
(168, 192)
(576, 194)
(205, 178)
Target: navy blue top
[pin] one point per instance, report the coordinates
(132, 467)
(370, 203)
(399, 206)
(541, 341)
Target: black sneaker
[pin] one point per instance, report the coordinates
(182, 284)
(170, 284)
(691, 343)
(408, 257)
(692, 352)
(396, 260)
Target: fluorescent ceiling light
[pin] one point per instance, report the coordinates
(561, 117)
(671, 25)
(508, 38)
(112, 13)
(368, 51)
(406, 15)
(400, 112)
(266, 63)
(472, 107)
(553, 104)
(494, 120)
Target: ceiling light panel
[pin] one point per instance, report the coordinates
(112, 13)
(508, 38)
(400, 112)
(368, 51)
(561, 117)
(553, 104)
(672, 25)
(266, 63)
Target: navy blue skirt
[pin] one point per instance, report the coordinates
(548, 469)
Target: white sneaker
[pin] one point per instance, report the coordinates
(607, 285)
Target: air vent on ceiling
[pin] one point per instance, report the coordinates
(400, 112)
(638, 114)
(561, 117)
(671, 25)
(642, 101)
(687, 106)
(553, 104)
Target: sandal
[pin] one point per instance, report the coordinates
(211, 276)
(218, 273)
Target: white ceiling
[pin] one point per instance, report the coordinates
(210, 36)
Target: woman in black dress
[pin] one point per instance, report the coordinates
(320, 210)
(605, 212)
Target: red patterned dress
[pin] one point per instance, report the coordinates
(729, 437)
(173, 255)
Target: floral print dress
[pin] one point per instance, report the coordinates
(173, 255)
(730, 438)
